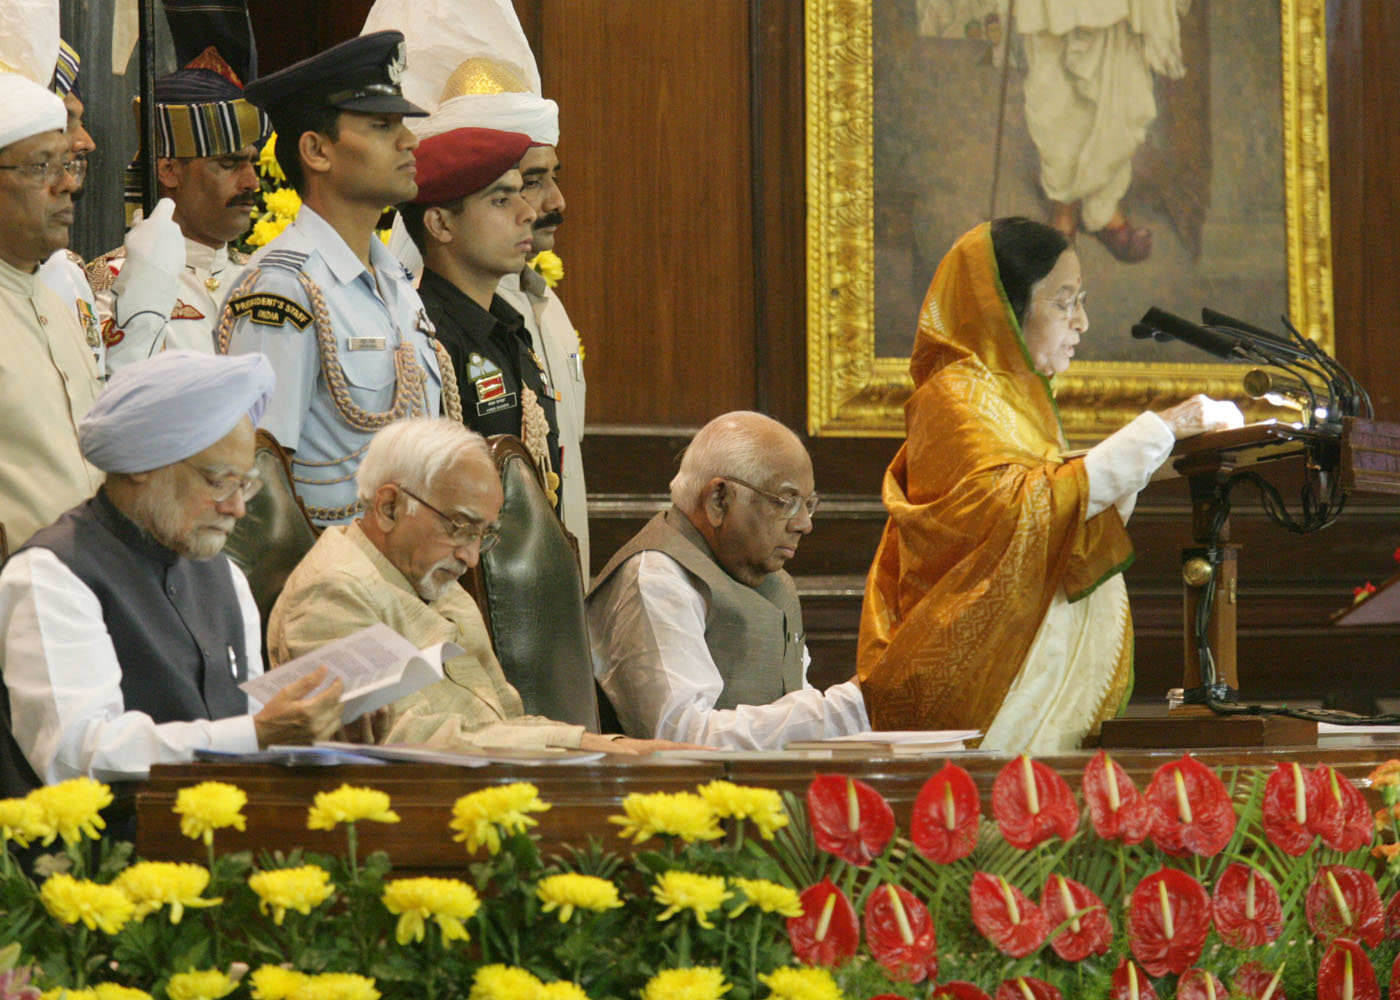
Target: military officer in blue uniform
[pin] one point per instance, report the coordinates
(335, 311)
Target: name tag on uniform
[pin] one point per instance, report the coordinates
(364, 343)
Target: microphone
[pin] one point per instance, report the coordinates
(1174, 327)
(1141, 331)
(1257, 337)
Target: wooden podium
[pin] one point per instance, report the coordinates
(1365, 454)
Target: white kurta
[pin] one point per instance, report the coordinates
(1056, 697)
(144, 310)
(64, 681)
(557, 340)
(647, 624)
(48, 380)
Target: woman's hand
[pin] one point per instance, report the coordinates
(1199, 414)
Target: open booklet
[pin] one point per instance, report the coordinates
(899, 743)
(377, 666)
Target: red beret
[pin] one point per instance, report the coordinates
(464, 161)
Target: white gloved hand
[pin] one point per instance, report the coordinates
(158, 240)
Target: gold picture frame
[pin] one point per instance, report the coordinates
(852, 392)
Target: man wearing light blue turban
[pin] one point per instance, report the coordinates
(125, 630)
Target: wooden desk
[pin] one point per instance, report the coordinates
(582, 797)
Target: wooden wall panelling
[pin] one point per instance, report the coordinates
(657, 246)
(1363, 69)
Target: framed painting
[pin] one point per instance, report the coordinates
(925, 117)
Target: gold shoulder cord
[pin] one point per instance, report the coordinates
(451, 394)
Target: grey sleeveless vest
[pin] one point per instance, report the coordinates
(175, 623)
(754, 633)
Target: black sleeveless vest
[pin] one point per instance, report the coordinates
(175, 623)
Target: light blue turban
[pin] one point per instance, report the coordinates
(160, 411)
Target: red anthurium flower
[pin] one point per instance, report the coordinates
(1193, 810)
(1342, 819)
(1345, 973)
(1343, 900)
(1116, 808)
(1088, 933)
(1168, 918)
(1026, 988)
(1290, 803)
(1198, 984)
(1254, 981)
(1247, 908)
(899, 933)
(1005, 916)
(1392, 918)
(826, 933)
(849, 818)
(1131, 983)
(959, 990)
(1395, 977)
(1032, 803)
(946, 814)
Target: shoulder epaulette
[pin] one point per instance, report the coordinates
(76, 258)
(99, 270)
(288, 260)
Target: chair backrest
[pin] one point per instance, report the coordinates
(270, 539)
(530, 589)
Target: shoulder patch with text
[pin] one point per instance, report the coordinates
(269, 310)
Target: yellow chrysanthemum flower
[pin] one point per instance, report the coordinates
(97, 906)
(336, 986)
(21, 822)
(762, 806)
(678, 890)
(349, 805)
(204, 984)
(283, 889)
(449, 901)
(680, 814)
(550, 267)
(112, 991)
(72, 809)
(153, 884)
(66, 993)
(481, 817)
(284, 203)
(210, 806)
(267, 161)
(569, 891)
(806, 983)
(703, 983)
(267, 229)
(770, 897)
(272, 982)
(504, 982)
(562, 991)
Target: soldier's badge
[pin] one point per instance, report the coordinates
(184, 311)
(269, 310)
(112, 335)
(91, 333)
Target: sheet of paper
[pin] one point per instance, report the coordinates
(376, 665)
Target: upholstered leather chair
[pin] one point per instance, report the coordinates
(530, 589)
(270, 539)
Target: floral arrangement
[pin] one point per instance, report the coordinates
(1258, 884)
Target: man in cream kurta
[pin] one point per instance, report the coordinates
(345, 584)
(48, 378)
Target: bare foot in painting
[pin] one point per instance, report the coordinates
(1065, 218)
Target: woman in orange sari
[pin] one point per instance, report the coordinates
(996, 599)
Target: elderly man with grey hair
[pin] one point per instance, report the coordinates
(697, 630)
(431, 499)
(124, 632)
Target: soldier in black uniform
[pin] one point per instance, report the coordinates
(473, 228)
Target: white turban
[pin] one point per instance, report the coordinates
(27, 109)
(162, 410)
(516, 111)
(29, 38)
